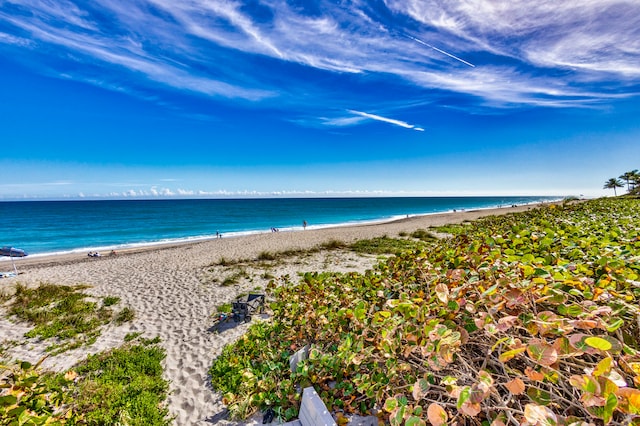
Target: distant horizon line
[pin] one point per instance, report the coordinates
(287, 196)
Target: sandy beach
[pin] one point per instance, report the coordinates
(174, 290)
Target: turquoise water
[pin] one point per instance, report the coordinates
(49, 227)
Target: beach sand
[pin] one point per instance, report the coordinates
(174, 290)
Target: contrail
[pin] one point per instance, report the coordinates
(442, 51)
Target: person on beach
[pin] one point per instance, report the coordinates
(304, 224)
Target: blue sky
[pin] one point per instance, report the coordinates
(200, 98)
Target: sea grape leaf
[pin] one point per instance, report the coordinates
(506, 356)
(470, 408)
(539, 396)
(603, 367)
(397, 416)
(465, 394)
(598, 343)
(515, 386)
(442, 292)
(533, 375)
(390, 404)
(436, 415)
(414, 421)
(585, 383)
(542, 353)
(420, 389)
(630, 402)
(539, 415)
(614, 325)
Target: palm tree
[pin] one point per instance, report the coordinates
(613, 183)
(635, 180)
(629, 177)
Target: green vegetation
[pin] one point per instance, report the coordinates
(385, 245)
(125, 315)
(28, 400)
(123, 386)
(224, 308)
(423, 235)
(266, 255)
(332, 245)
(453, 229)
(132, 336)
(64, 313)
(235, 277)
(110, 300)
(528, 318)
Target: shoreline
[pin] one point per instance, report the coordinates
(334, 231)
(174, 289)
(97, 240)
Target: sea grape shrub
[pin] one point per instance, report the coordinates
(528, 318)
(27, 397)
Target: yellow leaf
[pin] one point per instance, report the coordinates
(603, 367)
(632, 397)
(598, 343)
(506, 356)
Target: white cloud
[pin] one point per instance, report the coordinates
(17, 41)
(591, 35)
(198, 47)
(125, 52)
(387, 120)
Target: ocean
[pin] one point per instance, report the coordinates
(56, 227)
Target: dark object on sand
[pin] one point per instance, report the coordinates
(242, 309)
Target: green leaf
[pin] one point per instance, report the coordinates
(465, 394)
(8, 400)
(414, 421)
(539, 396)
(491, 290)
(390, 404)
(609, 406)
(614, 325)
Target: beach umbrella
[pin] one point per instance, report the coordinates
(12, 252)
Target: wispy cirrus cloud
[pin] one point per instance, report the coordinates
(493, 53)
(594, 35)
(387, 120)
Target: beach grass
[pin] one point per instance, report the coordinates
(64, 314)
